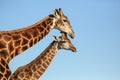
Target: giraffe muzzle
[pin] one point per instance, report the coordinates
(73, 49)
(71, 35)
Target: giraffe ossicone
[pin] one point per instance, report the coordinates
(14, 42)
(35, 69)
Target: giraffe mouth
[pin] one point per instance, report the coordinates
(71, 35)
(73, 49)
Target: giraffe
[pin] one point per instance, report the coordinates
(14, 42)
(35, 69)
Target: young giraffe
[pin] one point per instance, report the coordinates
(15, 42)
(37, 67)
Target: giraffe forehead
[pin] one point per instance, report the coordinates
(64, 37)
(68, 41)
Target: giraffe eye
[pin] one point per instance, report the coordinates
(63, 41)
(64, 20)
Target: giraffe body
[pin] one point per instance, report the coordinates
(35, 69)
(14, 42)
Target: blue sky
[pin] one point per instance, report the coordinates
(96, 24)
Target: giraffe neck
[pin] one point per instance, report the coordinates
(15, 42)
(5, 72)
(38, 66)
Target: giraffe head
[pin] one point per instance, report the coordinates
(64, 43)
(62, 23)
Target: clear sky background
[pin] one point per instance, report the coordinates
(96, 24)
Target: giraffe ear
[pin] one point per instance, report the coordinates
(54, 38)
(56, 13)
(57, 38)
